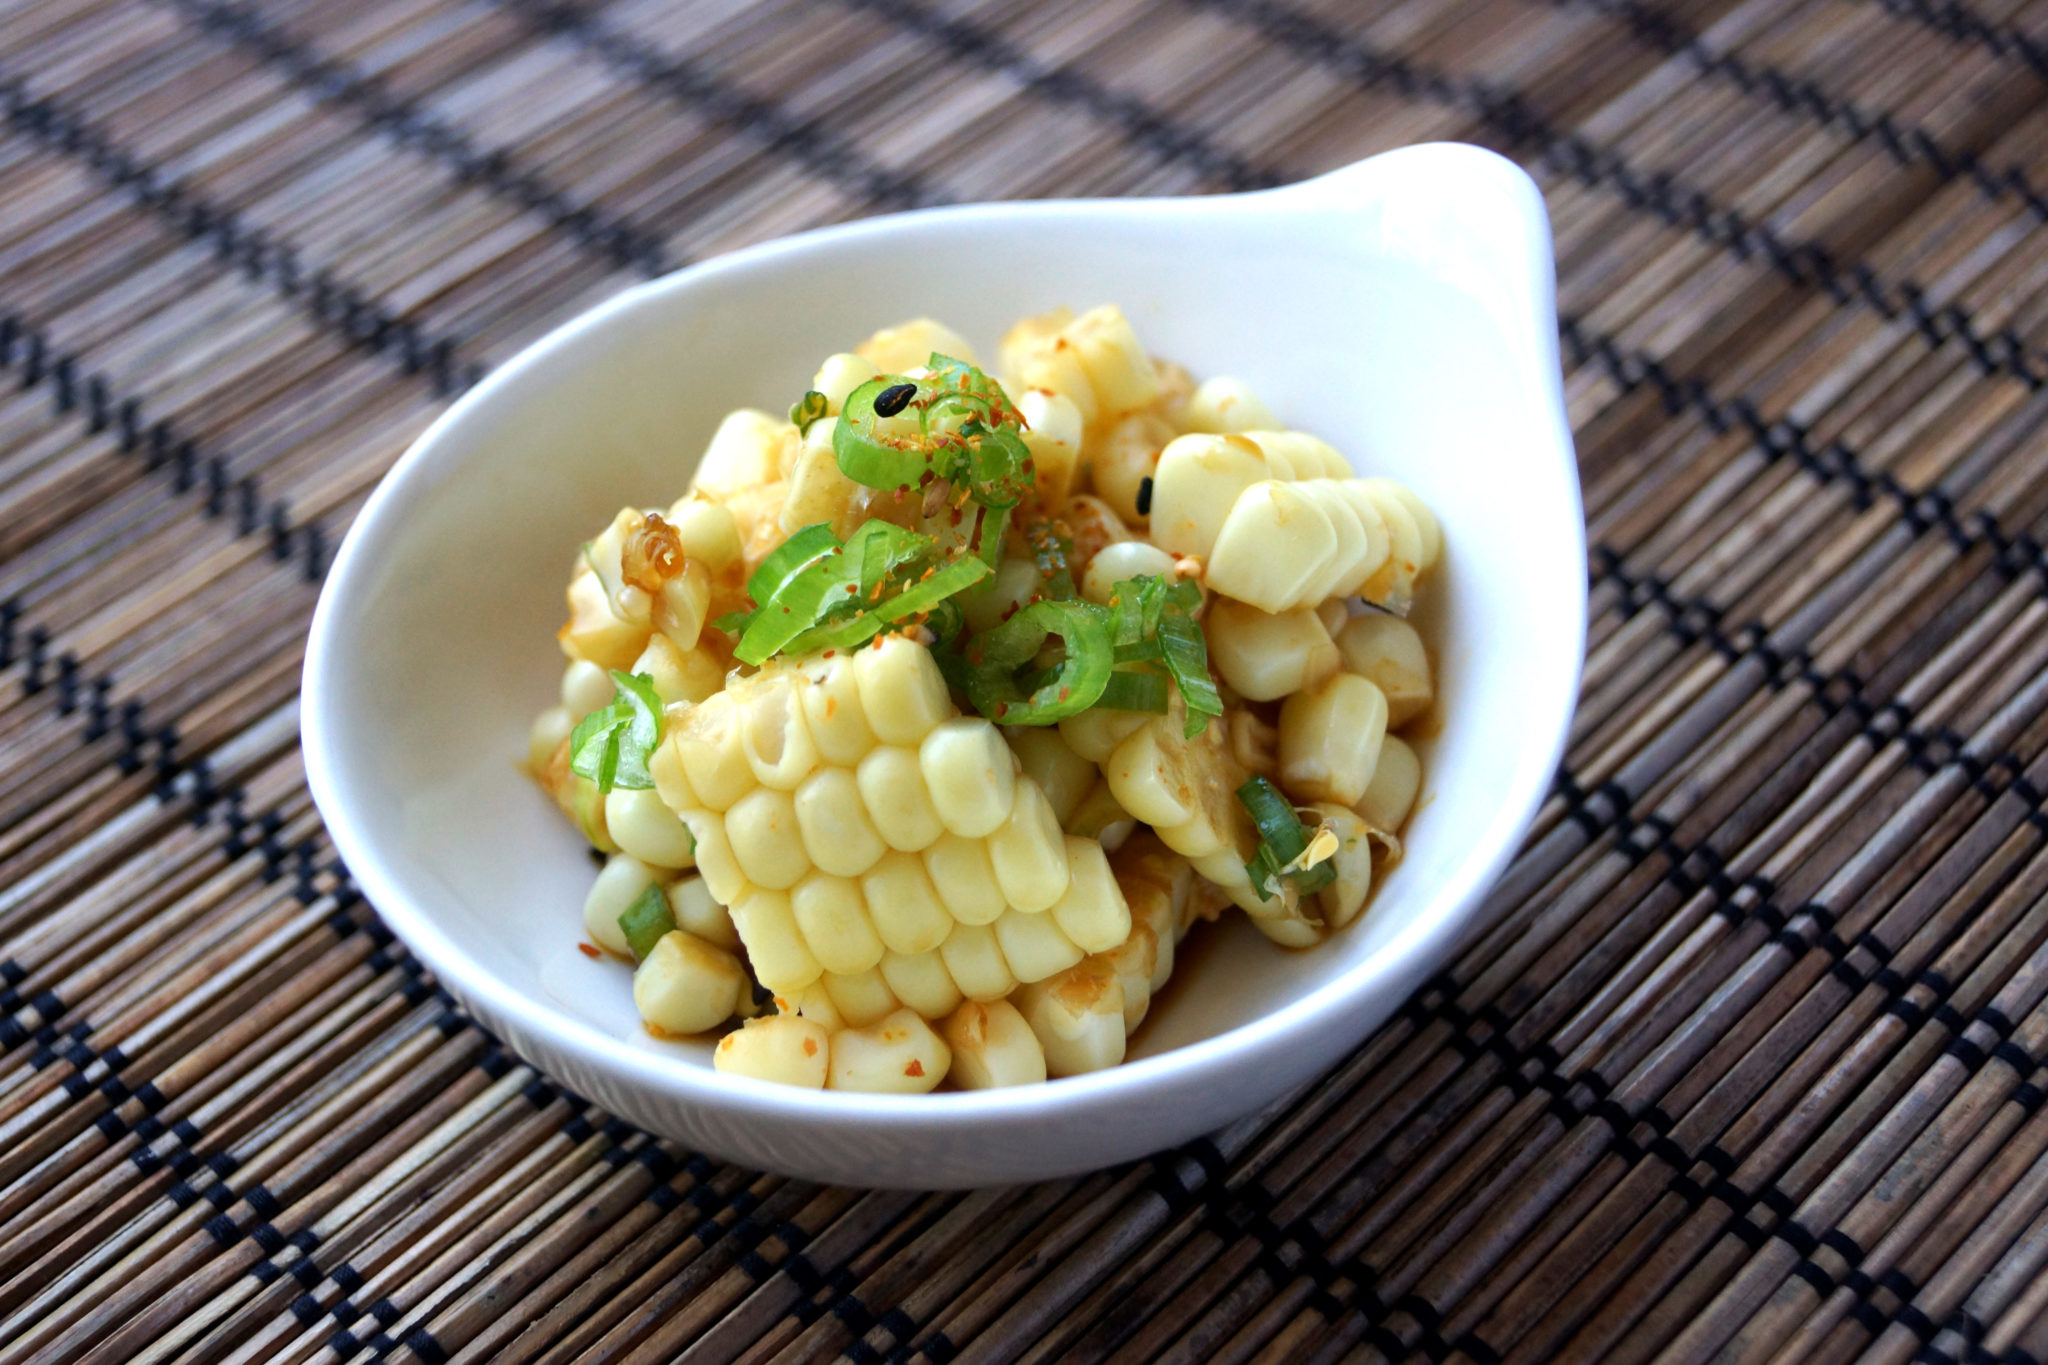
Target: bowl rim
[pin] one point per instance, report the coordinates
(505, 1009)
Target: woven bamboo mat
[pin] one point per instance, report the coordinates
(1751, 1061)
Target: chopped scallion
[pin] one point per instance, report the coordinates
(645, 921)
(1282, 839)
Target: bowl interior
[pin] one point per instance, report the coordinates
(1401, 310)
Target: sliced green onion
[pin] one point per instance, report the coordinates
(1155, 620)
(1074, 686)
(785, 559)
(863, 455)
(1134, 692)
(1187, 659)
(645, 921)
(1282, 839)
(612, 745)
(993, 520)
(812, 407)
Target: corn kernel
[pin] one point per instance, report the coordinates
(899, 1055)
(901, 690)
(1029, 853)
(860, 997)
(1034, 946)
(1390, 796)
(1330, 738)
(992, 1046)
(776, 949)
(641, 825)
(694, 909)
(1387, 651)
(834, 919)
(974, 958)
(619, 883)
(762, 829)
(837, 834)
(773, 736)
(921, 982)
(971, 775)
(966, 879)
(904, 905)
(1078, 1017)
(832, 712)
(891, 784)
(686, 985)
(1092, 913)
(783, 1048)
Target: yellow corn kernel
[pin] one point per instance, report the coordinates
(1119, 372)
(1122, 456)
(707, 531)
(1274, 542)
(814, 1002)
(1355, 543)
(1099, 817)
(974, 959)
(695, 910)
(1054, 365)
(1390, 796)
(1034, 946)
(837, 833)
(1266, 655)
(1078, 1017)
(685, 985)
(671, 783)
(904, 905)
(550, 731)
(684, 603)
(773, 737)
(901, 690)
(1135, 961)
(840, 375)
(715, 860)
(921, 982)
(908, 345)
(784, 1048)
(1092, 913)
(1063, 775)
(1429, 546)
(1029, 853)
(640, 824)
(891, 784)
(762, 829)
(834, 919)
(586, 687)
(832, 711)
(992, 1046)
(1123, 560)
(899, 1055)
(966, 879)
(594, 633)
(1343, 898)
(619, 883)
(1330, 738)
(1197, 482)
(1225, 404)
(1095, 733)
(818, 490)
(775, 947)
(1052, 433)
(744, 453)
(860, 997)
(971, 775)
(707, 739)
(673, 671)
(1156, 883)
(998, 596)
(1387, 651)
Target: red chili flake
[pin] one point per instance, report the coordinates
(1002, 708)
(850, 587)
(916, 1068)
(1066, 692)
(830, 652)
(810, 1047)
(587, 950)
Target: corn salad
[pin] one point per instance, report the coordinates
(929, 720)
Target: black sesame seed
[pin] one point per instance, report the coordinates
(1145, 496)
(894, 399)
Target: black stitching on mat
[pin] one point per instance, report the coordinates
(610, 237)
(1952, 20)
(1135, 120)
(343, 309)
(809, 142)
(1807, 264)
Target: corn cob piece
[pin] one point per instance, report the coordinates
(1285, 545)
(1083, 1017)
(1200, 477)
(868, 837)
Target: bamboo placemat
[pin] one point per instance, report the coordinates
(1751, 1061)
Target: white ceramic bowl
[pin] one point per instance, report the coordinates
(1401, 308)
